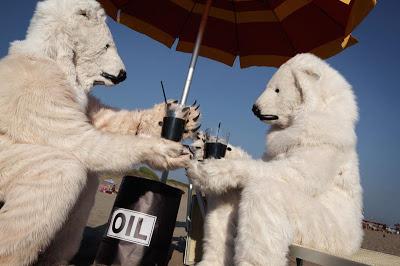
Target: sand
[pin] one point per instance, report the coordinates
(382, 242)
(96, 227)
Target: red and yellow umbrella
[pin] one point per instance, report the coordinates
(259, 32)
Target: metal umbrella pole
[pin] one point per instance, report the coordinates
(195, 53)
(185, 93)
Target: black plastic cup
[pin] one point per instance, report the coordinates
(214, 150)
(174, 122)
(173, 128)
(216, 143)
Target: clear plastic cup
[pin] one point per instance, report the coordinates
(216, 143)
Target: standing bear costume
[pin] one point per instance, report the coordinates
(55, 138)
(306, 188)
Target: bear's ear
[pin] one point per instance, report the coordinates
(305, 80)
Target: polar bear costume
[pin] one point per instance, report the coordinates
(55, 138)
(305, 190)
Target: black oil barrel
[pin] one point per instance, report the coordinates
(141, 224)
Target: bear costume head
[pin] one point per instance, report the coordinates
(74, 33)
(305, 86)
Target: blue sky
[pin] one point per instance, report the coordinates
(226, 94)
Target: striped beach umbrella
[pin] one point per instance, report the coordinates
(259, 32)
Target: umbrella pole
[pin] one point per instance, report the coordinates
(185, 93)
(192, 65)
(164, 176)
(195, 53)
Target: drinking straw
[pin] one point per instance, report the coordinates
(165, 97)
(219, 126)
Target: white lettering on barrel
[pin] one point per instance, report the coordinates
(132, 226)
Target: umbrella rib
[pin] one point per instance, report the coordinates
(121, 9)
(286, 34)
(331, 18)
(236, 30)
(187, 18)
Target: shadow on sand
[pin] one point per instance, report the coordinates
(91, 240)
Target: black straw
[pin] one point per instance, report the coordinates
(163, 91)
(219, 126)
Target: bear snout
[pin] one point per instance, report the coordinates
(115, 79)
(122, 75)
(256, 110)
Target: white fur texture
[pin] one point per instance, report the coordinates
(55, 138)
(305, 190)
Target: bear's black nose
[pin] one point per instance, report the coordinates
(115, 79)
(256, 110)
(121, 76)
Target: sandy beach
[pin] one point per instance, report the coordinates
(96, 227)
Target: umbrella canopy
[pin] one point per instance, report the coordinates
(259, 32)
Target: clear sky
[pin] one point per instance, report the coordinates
(226, 94)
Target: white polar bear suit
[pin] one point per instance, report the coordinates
(55, 138)
(305, 190)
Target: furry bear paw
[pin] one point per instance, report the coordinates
(164, 154)
(210, 175)
(196, 174)
(191, 114)
(198, 147)
(192, 121)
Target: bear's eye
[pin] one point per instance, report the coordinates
(277, 90)
(83, 13)
(107, 46)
